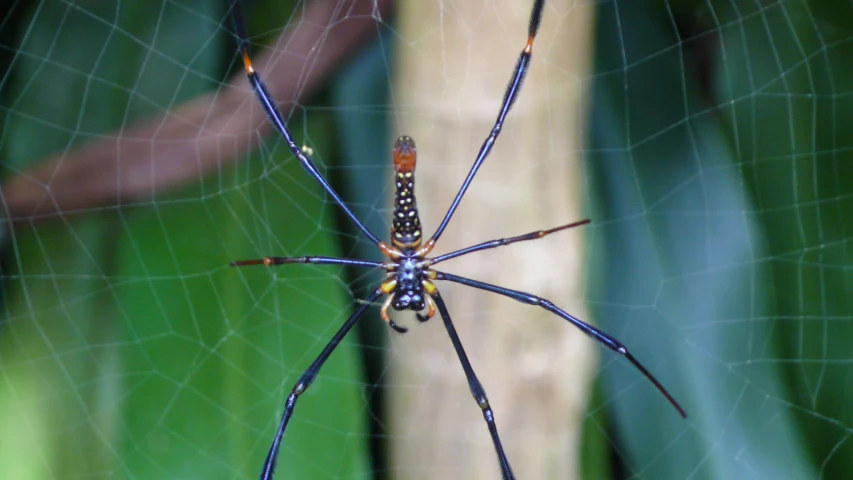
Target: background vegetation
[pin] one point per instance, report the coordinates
(719, 184)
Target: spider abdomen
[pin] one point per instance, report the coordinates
(406, 224)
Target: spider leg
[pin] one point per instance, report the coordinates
(306, 380)
(501, 242)
(277, 119)
(383, 313)
(430, 306)
(275, 261)
(593, 332)
(476, 387)
(509, 98)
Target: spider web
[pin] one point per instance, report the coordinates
(707, 141)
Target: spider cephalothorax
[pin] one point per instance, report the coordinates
(408, 284)
(409, 289)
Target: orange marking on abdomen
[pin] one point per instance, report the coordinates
(405, 225)
(405, 155)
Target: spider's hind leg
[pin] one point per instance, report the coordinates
(430, 305)
(477, 390)
(388, 288)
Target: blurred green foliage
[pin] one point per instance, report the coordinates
(129, 348)
(720, 182)
(721, 174)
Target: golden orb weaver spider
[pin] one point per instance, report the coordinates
(410, 280)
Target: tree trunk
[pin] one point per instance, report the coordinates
(454, 58)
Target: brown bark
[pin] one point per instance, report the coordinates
(453, 63)
(200, 136)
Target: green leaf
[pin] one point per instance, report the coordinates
(129, 348)
(684, 281)
(791, 88)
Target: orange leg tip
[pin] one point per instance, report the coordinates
(245, 263)
(247, 63)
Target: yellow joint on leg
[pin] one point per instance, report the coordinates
(389, 251)
(425, 249)
(431, 274)
(388, 286)
(429, 287)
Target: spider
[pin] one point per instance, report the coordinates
(410, 282)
